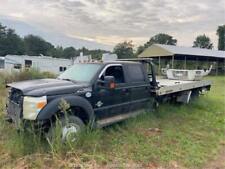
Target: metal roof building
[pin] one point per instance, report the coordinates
(185, 57)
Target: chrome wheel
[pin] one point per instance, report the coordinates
(66, 129)
(69, 132)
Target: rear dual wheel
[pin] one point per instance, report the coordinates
(195, 94)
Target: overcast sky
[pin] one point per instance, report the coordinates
(112, 21)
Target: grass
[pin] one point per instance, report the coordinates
(6, 77)
(184, 135)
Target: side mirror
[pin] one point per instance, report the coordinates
(108, 82)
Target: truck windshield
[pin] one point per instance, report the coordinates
(80, 72)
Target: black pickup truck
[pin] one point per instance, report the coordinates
(97, 93)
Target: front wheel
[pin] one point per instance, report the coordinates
(66, 129)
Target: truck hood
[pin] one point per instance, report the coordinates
(43, 87)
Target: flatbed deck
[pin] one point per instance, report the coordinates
(167, 86)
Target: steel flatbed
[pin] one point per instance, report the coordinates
(167, 86)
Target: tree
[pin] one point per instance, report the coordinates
(14, 44)
(10, 42)
(56, 52)
(35, 45)
(140, 49)
(202, 41)
(2, 31)
(221, 35)
(84, 50)
(97, 53)
(3, 37)
(69, 52)
(160, 38)
(124, 50)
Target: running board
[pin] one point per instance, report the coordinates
(114, 119)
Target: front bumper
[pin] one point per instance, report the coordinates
(15, 115)
(29, 125)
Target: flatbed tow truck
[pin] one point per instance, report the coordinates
(98, 94)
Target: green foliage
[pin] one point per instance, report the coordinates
(160, 38)
(56, 145)
(124, 50)
(2, 31)
(36, 46)
(202, 41)
(97, 54)
(11, 43)
(140, 49)
(69, 52)
(56, 52)
(221, 34)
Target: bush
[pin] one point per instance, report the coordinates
(24, 75)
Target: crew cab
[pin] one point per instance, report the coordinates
(98, 94)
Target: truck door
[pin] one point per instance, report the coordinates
(112, 102)
(139, 86)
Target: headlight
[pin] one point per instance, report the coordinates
(32, 106)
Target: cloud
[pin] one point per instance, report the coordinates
(112, 21)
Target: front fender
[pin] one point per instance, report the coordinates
(53, 107)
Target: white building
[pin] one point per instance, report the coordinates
(11, 63)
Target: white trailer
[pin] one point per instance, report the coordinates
(11, 63)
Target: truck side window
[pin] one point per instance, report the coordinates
(136, 73)
(117, 72)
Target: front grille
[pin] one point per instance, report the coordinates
(16, 96)
(15, 104)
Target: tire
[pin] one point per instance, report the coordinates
(195, 94)
(66, 129)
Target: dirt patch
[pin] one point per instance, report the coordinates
(218, 162)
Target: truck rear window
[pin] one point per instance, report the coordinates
(136, 73)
